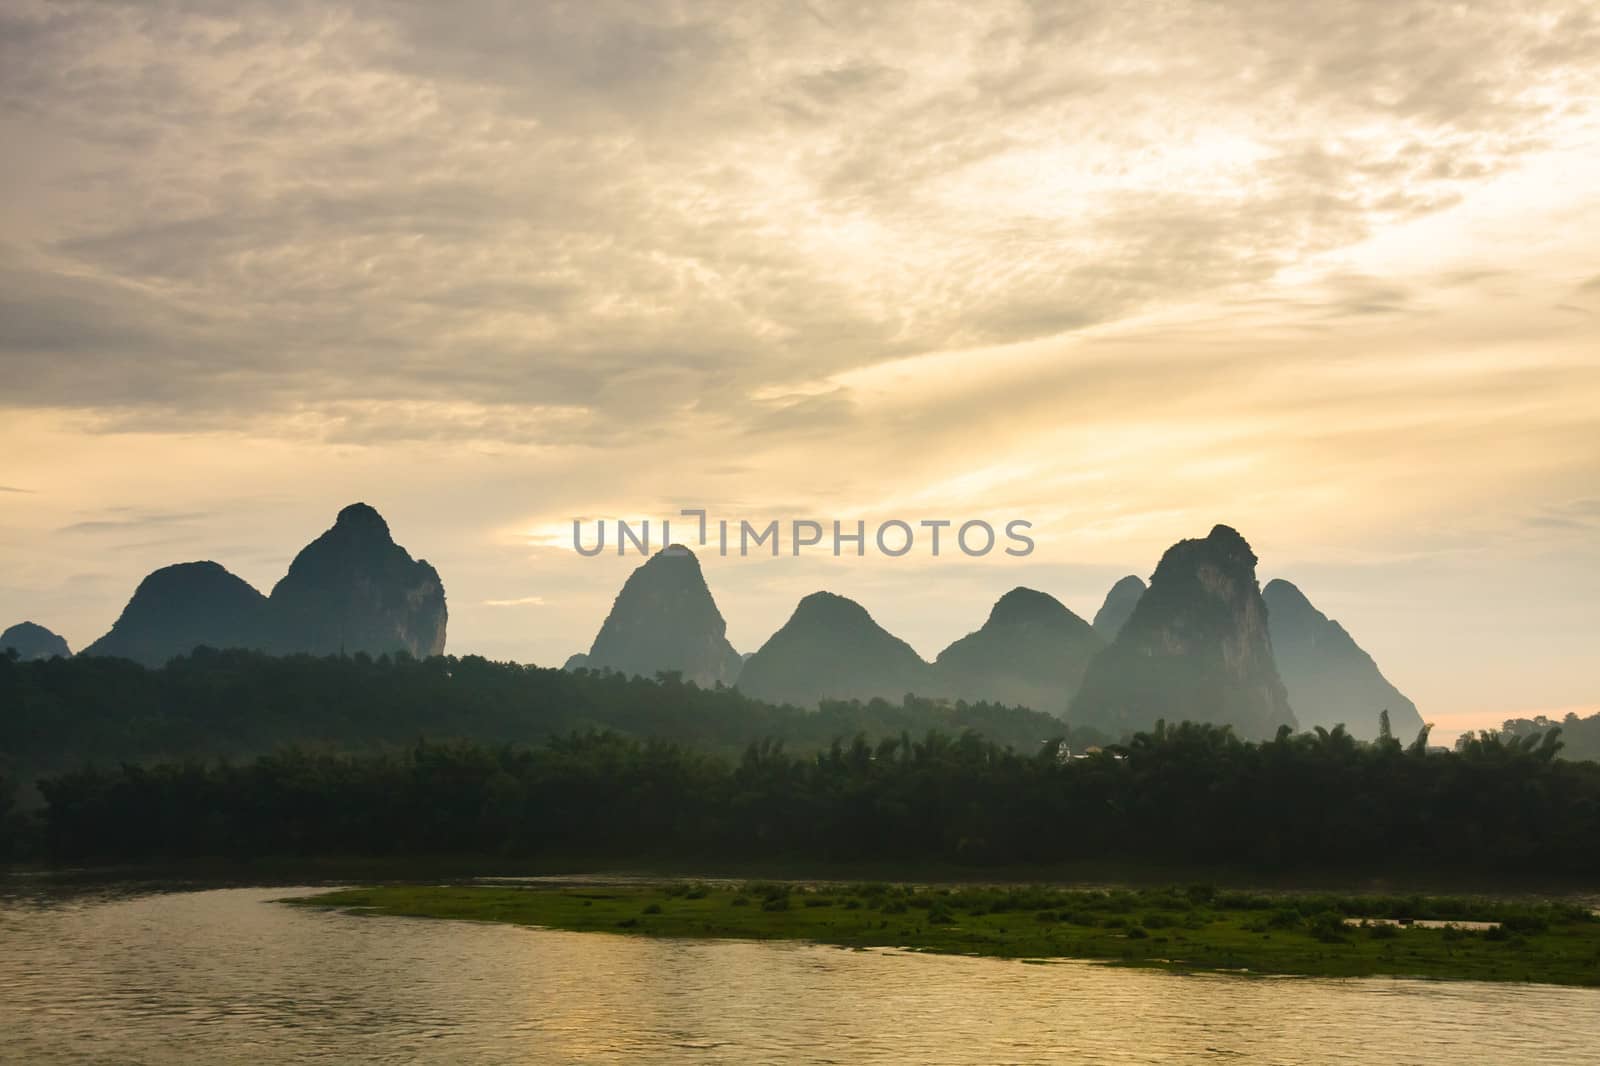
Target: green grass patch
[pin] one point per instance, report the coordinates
(1176, 928)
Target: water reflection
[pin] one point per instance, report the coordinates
(225, 975)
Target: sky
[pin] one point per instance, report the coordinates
(1325, 273)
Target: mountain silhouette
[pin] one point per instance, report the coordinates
(830, 648)
(32, 641)
(177, 608)
(353, 589)
(1031, 651)
(664, 619)
(1196, 647)
(1118, 607)
(1331, 680)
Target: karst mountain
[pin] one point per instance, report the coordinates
(1196, 647)
(1032, 651)
(831, 648)
(1118, 607)
(1330, 679)
(665, 620)
(33, 641)
(353, 589)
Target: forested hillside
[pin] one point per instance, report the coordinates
(60, 714)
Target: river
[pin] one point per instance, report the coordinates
(133, 975)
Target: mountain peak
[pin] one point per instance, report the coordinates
(177, 608)
(1031, 652)
(1196, 647)
(1026, 605)
(1330, 678)
(33, 641)
(1280, 592)
(664, 620)
(674, 558)
(361, 517)
(354, 589)
(831, 648)
(830, 607)
(1228, 540)
(1118, 606)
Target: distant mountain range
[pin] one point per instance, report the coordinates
(353, 589)
(1202, 641)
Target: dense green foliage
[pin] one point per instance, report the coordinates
(1580, 736)
(1184, 928)
(60, 714)
(1192, 795)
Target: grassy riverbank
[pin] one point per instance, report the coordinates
(1196, 928)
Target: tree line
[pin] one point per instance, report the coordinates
(59, 714)
(1580, 736)
(1188, 794)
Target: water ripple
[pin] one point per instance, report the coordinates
(227, 976)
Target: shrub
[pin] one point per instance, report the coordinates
(1327, 926)
(1285, 918)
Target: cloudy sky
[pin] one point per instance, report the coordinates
(1325, 272)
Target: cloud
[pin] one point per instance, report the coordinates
(652, 213)
(521, 601)
(133, 521)
(1581, 515)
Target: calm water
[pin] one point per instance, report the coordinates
(227, 976)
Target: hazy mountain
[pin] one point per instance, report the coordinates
(830, 648)
(32, 641)
(1118, 607)
(1196, 647)
(576, 661)
(1032, 651)
(354, 589)
(1329, 678)
(179, 607)
(664, 619)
